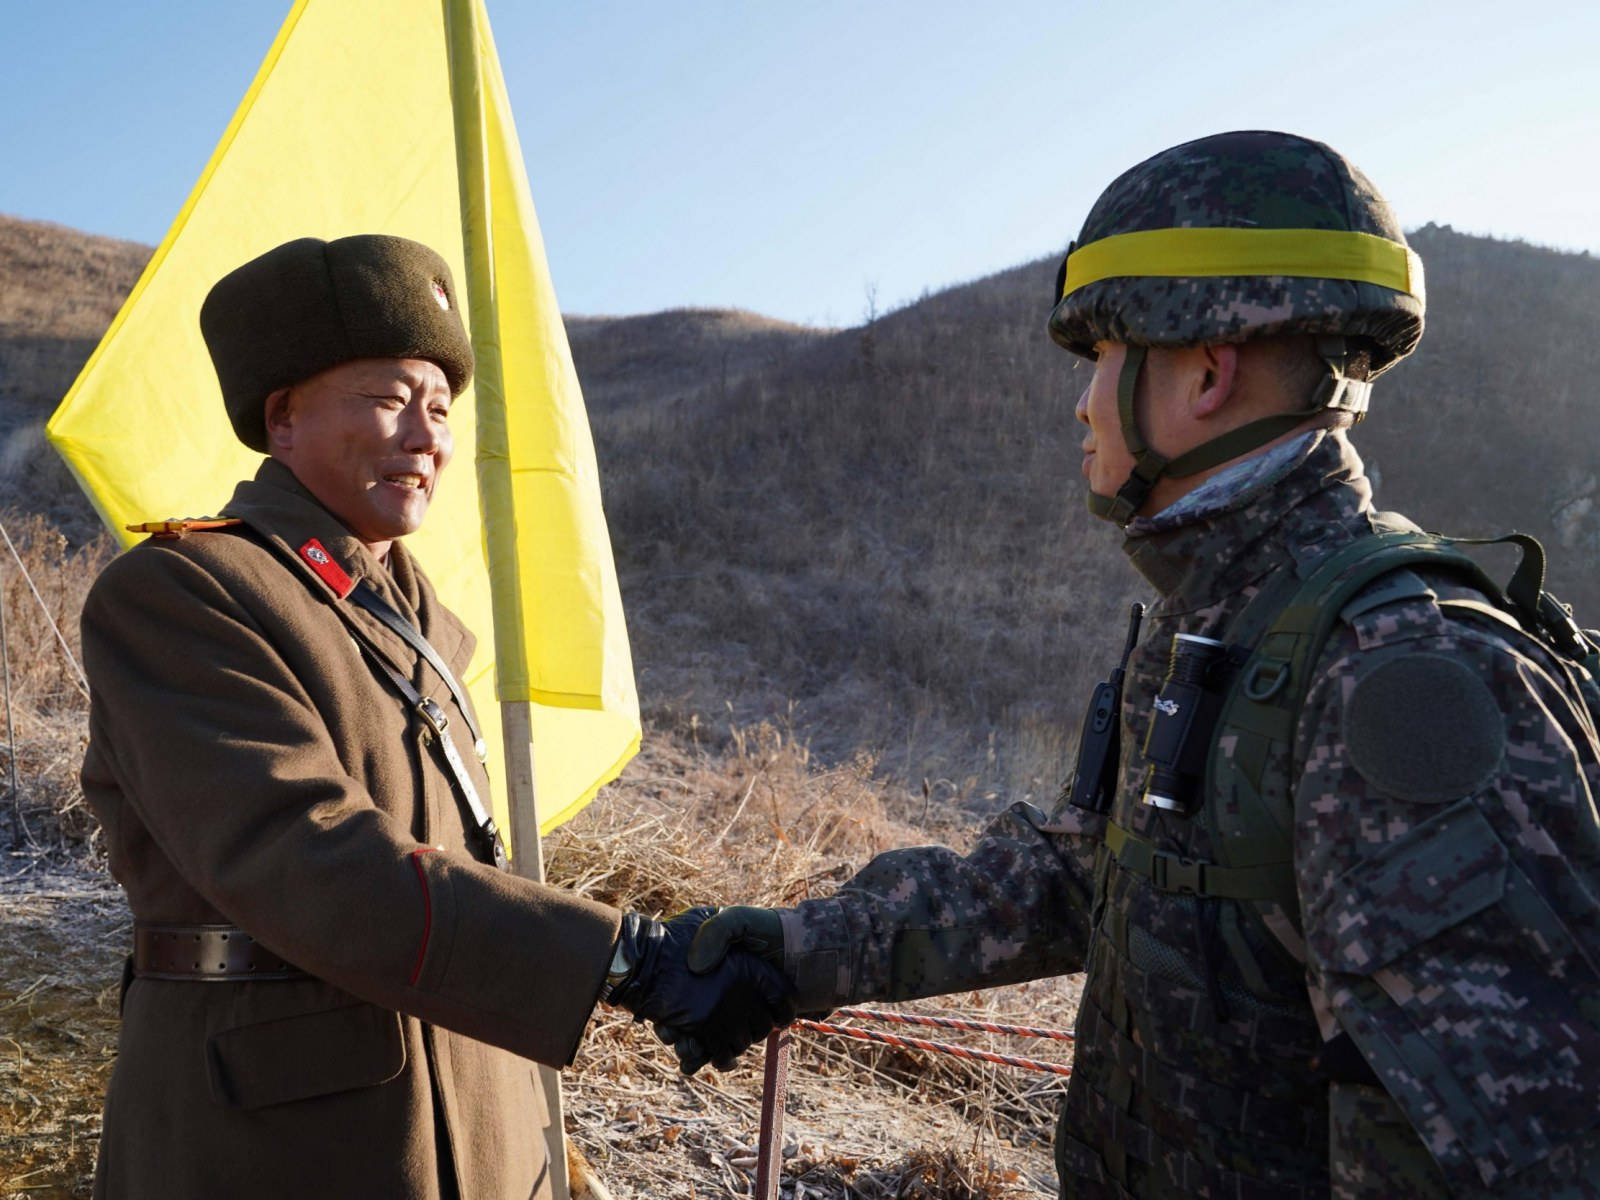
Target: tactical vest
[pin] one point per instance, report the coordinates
(1200, 1067)
(1253, 857)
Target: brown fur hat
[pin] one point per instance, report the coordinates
(308, 305)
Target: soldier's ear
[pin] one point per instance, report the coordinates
(1219, 366)
(279, 414)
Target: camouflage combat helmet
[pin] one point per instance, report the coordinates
(1232, 237)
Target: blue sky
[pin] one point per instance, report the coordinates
(793, 159)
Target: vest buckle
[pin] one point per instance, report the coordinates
(1171, 873)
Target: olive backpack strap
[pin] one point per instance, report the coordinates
(1250, 804)
(1250, 788)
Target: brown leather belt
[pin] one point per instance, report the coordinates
(206, 953)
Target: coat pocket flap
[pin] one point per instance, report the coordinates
(1440, 873)
(311, 1054)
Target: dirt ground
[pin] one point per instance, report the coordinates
(61, 933)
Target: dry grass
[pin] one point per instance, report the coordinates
(63, 926)
(43, 580)
(760, 822)
(757, 821)
(62, 937)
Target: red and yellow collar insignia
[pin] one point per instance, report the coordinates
(176, 527)
(330, 572)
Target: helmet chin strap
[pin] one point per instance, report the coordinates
(1148, 465)
(1335, 391)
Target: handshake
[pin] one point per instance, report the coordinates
(710, 980)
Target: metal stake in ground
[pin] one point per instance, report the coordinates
(774, 1090)
(19, 828)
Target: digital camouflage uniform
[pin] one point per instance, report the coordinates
(1365, 964)
(1437, 1029)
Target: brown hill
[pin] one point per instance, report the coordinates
(59, 290)
(887, 530)
(666, 357)
(879, 532)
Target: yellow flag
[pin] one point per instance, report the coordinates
(350, 127)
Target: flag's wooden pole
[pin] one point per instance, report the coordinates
(468, 100)
(516, 726)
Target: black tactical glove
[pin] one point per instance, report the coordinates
(745, 931)
(723, 1010)
(757, 931)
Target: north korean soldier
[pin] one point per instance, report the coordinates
(1337, 888)
(335, 990)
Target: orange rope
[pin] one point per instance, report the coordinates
(898, 1018)
(911, 1043)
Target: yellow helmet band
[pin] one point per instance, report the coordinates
(1304, 253)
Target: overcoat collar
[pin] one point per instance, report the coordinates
(278, 507)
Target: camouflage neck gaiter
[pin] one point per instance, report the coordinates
(1243, 522)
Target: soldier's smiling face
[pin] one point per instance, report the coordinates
(369, 439)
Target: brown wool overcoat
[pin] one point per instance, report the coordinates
(249, 769)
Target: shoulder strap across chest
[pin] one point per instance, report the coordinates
(1250, 792)
(1249, 801)
(364, 596)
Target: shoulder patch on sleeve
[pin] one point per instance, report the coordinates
(1424, 727)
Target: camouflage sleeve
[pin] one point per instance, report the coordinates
(926, 920)
(1445, 844)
